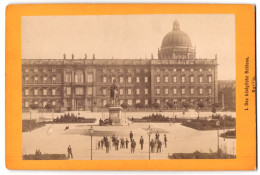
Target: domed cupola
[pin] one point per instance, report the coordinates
(176, 45)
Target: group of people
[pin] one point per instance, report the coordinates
(122, 143)
(157, 144)
(108, 143)
(105, 122)
(114, 141)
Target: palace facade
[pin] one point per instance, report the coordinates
(84, 84)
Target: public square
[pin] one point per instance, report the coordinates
(53, 139)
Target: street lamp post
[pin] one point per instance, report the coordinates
(217, 124)
(224, 128)
(149, 131)
(52, 114)
(91, 132)
(30, 120)
(125, 115)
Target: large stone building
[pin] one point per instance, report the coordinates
(84, 84)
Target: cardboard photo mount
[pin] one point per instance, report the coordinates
(246, 119)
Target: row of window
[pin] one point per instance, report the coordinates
(44, 91)
(123, 70)
(79, 78)
(27, 104)
(129, 91)
(36, 79)
(36, 70)
(183, 79)
(129, 79)
(146, 101)
(183, 70)
(129, 102)
(78, 91)
(183, 91)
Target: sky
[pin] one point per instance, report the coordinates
(128, 37)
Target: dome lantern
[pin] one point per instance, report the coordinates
(176, 25)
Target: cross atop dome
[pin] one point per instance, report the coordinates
(176, 25)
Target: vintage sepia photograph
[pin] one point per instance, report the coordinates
(128, 87)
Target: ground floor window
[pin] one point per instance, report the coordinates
(129, 102)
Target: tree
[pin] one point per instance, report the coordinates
(156, 105)
(170, 104)
(124, 105)
(33, 106)
(186, 105)
(139, 105)
(200, 105)
(49, 106)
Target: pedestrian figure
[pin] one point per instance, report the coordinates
(126, 143)
(141, 142)
(113, 140)
(107, 146)
(122, 143)
(157, 135)
(155, 145)
(133, 144)
(105, 139)
(102, 143)
(70, 152)
(165, 140)
(152, 145)
(116, 144)
(159, 146)
(131, 135)
(99, 144)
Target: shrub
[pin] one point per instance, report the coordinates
(170, 104)
(124, 105)
(156, 105)
(186, 105)
(45, 157)
(201, 105)
(139, 105)
(33, 106)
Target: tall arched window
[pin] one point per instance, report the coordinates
(192, 78)
(209, 78)
(79, 77)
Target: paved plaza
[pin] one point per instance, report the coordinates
(53, 139)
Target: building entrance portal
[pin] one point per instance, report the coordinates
(79, 105)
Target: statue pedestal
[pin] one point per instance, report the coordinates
(115, 113)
